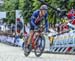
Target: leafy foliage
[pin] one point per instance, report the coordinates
(28, 6)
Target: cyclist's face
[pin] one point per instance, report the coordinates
(43, 12)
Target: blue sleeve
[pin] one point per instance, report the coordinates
(33, 17)
(32, 22)
(46, 22)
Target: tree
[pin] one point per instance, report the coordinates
(21, 4)
(28, 6)
(27, 10)
(10, 6)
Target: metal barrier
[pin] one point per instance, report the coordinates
(64, 43)
(11, 40)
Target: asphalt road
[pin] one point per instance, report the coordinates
(10, 53)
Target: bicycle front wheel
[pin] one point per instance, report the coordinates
(40, 45)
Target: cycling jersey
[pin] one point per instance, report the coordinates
(34, 22)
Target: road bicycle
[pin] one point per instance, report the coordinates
(37, 43)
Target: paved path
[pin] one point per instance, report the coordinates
(10, 53)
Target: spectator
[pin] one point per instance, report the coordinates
(27, 28)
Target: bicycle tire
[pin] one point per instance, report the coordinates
(43, 47)
(26, 53)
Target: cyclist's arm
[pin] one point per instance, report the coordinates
(46, 22)
(33, 18)
(33, 21)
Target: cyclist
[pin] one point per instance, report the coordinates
(36, 19)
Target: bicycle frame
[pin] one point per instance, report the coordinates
(32, 41)
(33, 38)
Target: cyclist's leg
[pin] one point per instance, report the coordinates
(30, 36)
(36, 35)
(31, 33)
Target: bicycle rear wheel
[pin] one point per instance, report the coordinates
(28, 49)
